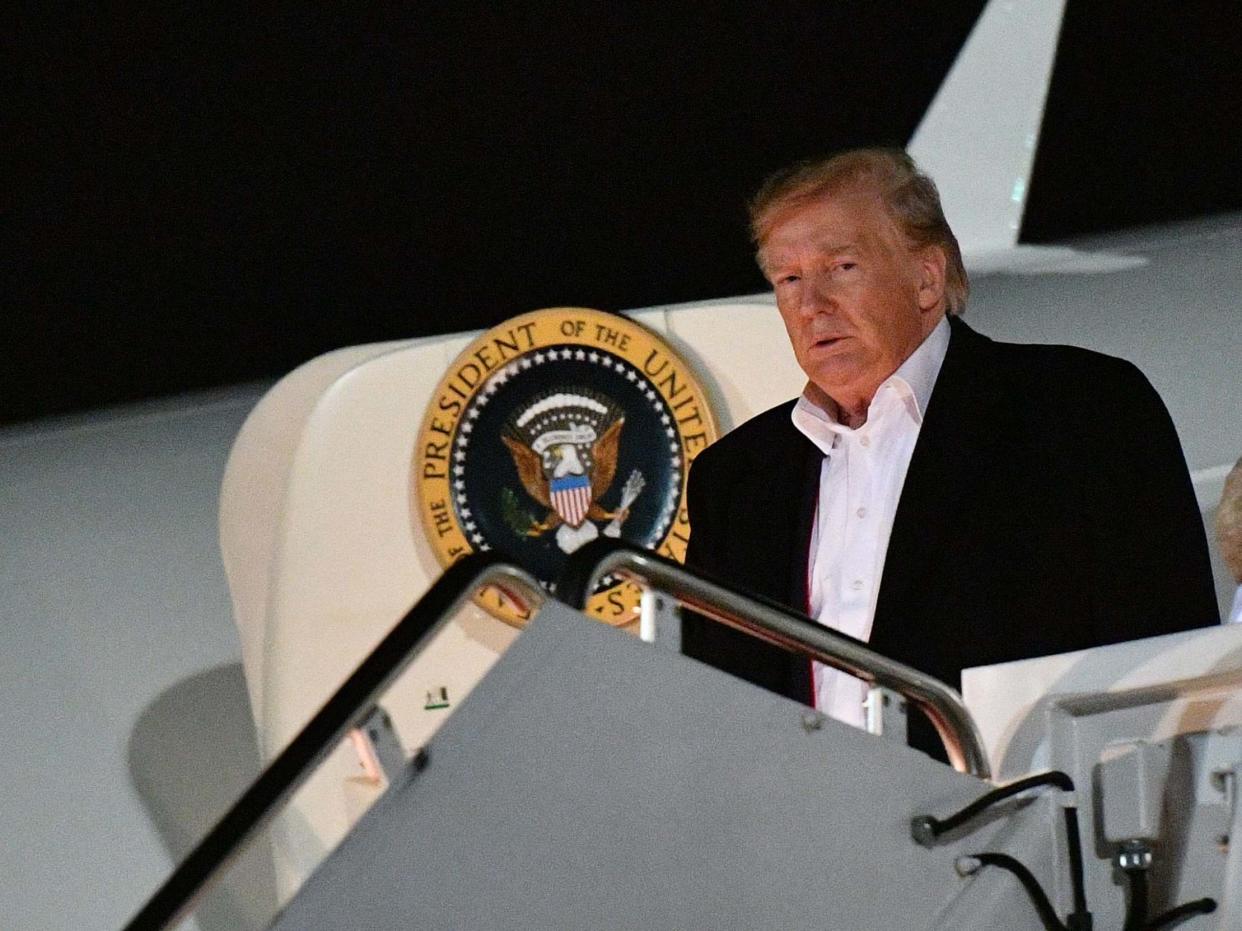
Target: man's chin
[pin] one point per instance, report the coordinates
(829, 385)
(833, 371)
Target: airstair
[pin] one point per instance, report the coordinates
(595, 780)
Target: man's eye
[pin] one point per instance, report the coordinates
(847, 266)
(786, 279)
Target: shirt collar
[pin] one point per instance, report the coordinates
(919, 372)
(912, 382)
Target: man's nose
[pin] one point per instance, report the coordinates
(816, 293)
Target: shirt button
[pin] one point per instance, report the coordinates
(862, 512)
(865, 440)
(856, 584)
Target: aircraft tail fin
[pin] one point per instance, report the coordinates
(978, 137)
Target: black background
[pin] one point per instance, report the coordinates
(198, 196)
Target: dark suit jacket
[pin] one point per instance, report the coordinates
(1047, 508)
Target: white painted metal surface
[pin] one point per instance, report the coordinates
(327, 552)
(978, 137)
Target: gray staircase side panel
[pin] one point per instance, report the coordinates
(592, 781)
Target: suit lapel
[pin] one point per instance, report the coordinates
(956, 449)
(772, 507)
(804, 495)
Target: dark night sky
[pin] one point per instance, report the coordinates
(200, 198)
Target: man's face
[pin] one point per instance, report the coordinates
(855, 298)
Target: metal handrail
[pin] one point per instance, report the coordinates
(784, 628)
(345, 710)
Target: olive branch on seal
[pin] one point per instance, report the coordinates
(518, 519)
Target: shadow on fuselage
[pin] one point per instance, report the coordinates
(192, 752)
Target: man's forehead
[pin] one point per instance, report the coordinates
(778, 250)
(839, 223)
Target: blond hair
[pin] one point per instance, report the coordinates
(909, 196)
(1229, 521)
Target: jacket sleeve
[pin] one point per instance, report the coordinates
(701, 551)
(1148, 533)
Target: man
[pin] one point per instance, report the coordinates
(952, 500)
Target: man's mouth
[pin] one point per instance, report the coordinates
(827, 342)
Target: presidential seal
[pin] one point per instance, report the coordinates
(551, 430)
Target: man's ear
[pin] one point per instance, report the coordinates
(931, 269)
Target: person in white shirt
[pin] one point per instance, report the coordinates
(951, 500)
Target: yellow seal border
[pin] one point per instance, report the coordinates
(431, 476)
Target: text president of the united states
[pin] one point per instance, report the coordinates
(952, 500)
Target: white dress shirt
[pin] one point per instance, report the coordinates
(859, 487)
